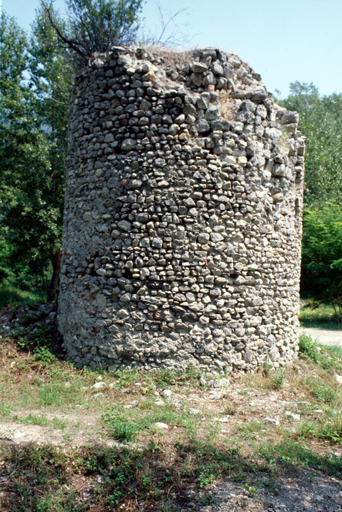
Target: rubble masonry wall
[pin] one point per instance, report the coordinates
(183, 212)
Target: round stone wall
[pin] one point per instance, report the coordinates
(183, 213)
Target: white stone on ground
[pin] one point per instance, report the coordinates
(161, 426)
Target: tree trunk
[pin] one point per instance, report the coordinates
(56, 260)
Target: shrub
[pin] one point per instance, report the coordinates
(322, 253)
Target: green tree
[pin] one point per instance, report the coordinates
(21, 145)
(51, 74)
(34, 83)
(322, 254)
(321, 122)
(95, 25)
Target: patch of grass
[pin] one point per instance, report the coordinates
(32, 419)
(165, 377)
(112, 478)
(277, 379)
(147, 404)
(318, 315)
(271, 379)
(326, 357)
(250, 429)
(121, 427)
(171, 416)
(324, 393)
(199, 457)
(293, 454)
(124, 378)
(55, 393)
(125, 425)
(11, 295)
(5, 409)
(324, 430)
(58, 423)
(58, 502)
(334, 351)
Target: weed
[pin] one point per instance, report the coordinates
(229, 410)
(206, 477)
(266, 367)
(115, 497)
(251, 489)
(45, 355)
(324, 393)
(23, 342)
(121, 427)
(207, 499)
(277, 379)
(326, 357)
(309, 347)
(34, 420)
(269, 484)
(59, 423)
(251, 426)
(5, 409)
(331, 431)
(146, 479)
(292, 453)
(165, 377)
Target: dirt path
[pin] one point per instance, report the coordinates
(325, 336)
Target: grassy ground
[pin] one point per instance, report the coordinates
(14, 296)
(101, 448)
(318, 315)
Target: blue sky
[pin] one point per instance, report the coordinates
(283, 40)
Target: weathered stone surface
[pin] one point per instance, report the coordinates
(202, 126)
(182, 219)
(199, 67)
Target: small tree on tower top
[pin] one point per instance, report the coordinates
(95, 25)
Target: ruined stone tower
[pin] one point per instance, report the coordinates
(183, 214)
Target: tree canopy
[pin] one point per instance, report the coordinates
(94, 25)
(34, 90)
(321, 122)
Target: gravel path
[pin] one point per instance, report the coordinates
(325, 336)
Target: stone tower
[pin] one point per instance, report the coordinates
(183, 214)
